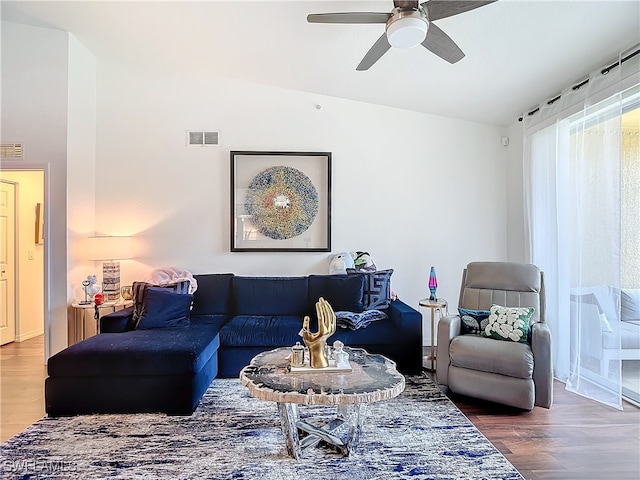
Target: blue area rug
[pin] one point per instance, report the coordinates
(231, 435)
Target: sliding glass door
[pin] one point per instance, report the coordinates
(604, 245)
(582, 195)
(630, 248)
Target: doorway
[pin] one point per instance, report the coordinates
(29, 300)
(7, 262)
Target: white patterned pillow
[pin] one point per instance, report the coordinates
(508, 323)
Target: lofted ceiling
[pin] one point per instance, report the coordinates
(518, 52)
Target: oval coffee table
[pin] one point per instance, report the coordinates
(373, 378)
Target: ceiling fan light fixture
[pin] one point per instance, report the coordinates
(407, 32)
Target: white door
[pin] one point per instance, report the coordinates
(7, 263)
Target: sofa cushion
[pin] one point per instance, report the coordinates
(261, 331)
(629, 304)
(624, 335)
(162, 308)
(343, 292)
(217, 321)
(472, 322)
(505, 358)
(508, 323)
(270, 296)
(212, 296)
(165, 351)
(376, 333)
(377, 288)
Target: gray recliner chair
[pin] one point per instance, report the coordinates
(511, 373)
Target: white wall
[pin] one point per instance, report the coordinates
(30, 261)
(34, 113)
(49, 105)
(414, 190)
(81, 166)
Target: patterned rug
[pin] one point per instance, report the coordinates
(231, 435)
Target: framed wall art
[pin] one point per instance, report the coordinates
(280, 201)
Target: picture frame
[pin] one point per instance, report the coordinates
(39, 227)
(280, 201)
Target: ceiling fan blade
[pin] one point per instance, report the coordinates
(437, 9)
(348, 17)
(373, 55)
(441, 44)
(405, 4)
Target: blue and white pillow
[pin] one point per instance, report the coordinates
(473, 322)
(377, 288)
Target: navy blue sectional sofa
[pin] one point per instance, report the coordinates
(232, 319)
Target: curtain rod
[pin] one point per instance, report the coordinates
(604, 71)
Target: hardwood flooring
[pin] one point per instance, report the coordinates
(577, 439)
(22, 374)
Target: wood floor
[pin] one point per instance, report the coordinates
(22, 374)
(577, 439)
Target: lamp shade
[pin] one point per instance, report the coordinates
(109, 248)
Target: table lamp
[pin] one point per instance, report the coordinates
(109, 250)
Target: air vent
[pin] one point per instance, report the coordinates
(203, 139)
(11, 150)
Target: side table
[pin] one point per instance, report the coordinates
(83, 323)
(439, 305)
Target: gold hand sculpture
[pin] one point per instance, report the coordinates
(316, 342)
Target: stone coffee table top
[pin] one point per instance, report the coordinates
(373, 378)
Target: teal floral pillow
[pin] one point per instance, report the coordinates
(508, 323)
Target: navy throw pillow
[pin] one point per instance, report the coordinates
(377, 288)
(473, 322)
(140, 291)
(162, 308)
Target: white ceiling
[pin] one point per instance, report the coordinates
(518, 52)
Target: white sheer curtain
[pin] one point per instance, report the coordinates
(572, 152)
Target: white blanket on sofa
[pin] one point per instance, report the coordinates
(165, 275)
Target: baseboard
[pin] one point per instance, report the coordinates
(29, 335)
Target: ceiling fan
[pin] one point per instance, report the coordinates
(409, 24)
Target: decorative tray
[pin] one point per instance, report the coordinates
(309, 369)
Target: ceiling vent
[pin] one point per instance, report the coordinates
(203, 139)
(11, 150)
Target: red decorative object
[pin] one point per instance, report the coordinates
(98, 298)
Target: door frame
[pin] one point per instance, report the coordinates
(16, 267)
(19, 165)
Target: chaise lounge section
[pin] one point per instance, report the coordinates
(128, 370)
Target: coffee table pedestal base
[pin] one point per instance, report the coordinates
(292, 426)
